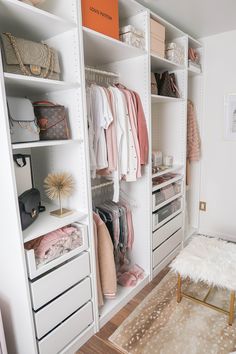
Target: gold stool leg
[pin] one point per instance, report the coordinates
(179, 282)
(231, 308)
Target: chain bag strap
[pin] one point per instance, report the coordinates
(23, 68)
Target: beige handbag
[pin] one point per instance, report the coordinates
(21, 56)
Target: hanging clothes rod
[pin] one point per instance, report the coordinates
(102, 185)
(101, 72)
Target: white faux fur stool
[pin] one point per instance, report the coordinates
(212, 261)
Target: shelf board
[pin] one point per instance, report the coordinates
(26, 85)
(164, 184)
(194, 72)
(161, 205)
(161, 64)
(47, 223)
(168, 170)
(100, 49)
(44, 143)
(26, 21)
(124, 295)
(165, 99)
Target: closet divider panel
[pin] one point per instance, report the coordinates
(195, 94)
(14, 291)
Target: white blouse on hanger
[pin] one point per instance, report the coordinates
(101, 118)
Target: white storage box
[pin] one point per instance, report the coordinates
(132, 36)
(175, 53)
(34, 269)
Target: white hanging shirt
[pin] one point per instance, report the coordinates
(91, 134)
(102, 118)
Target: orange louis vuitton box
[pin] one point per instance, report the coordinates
(101, 16)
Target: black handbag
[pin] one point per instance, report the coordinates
(29, 206)
(167, 85)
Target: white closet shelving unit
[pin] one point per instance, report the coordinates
(54, 309)
(168, 116)
(132, 66)
(49, 309)
(195, 94)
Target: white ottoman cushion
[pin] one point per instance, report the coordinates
(210, 260)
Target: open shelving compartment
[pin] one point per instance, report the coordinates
(168, 120)
(195, 94)
(132, 65)
(56, 25)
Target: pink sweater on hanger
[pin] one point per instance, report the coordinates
(193, 136)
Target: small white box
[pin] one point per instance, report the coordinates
(132, 36)
(156, 158)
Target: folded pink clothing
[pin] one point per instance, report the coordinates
(127, 279)
(137, 271)
(49, 240)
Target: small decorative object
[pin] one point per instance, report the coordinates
(168, 161)
(59, 186)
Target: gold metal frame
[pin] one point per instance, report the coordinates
(230, 313)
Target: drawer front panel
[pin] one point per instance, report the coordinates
(162, 251)
(160, 235)
(55, 312)
(55, 341)
(55, 283)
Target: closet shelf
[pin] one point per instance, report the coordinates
(30, 22)
(44, 143)
(162, 185)
(100, 49)
(162, 64)
(168, 170)
(161, 205)
(27, 85)
(165, 99)
(124, 295)
(194, 72)
(46, 223)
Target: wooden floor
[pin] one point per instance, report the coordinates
(99, 343)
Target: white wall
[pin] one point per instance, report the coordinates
(218, 171)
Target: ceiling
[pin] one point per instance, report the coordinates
(199, 18)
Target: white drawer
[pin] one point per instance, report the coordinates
(56, 311)
(56, 340)
(160, 235)
(167, 247)
(34, 271)
(56, 282)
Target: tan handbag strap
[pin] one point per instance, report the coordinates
(24, 69)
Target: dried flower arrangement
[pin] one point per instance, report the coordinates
(59, 186)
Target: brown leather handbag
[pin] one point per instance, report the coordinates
(167, 85)
(52, 120)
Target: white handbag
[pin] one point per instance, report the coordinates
(22, 121)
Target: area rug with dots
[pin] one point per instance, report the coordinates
(160, 325)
